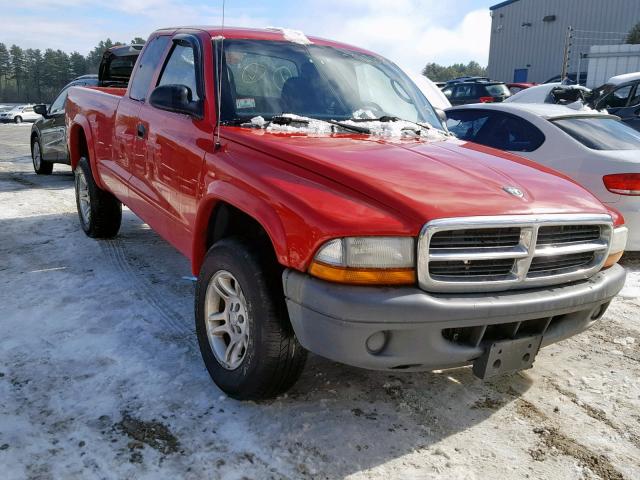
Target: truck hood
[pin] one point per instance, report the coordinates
(427, 180)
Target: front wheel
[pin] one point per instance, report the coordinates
(18, 119)
(40, 166)
(99, 211)
(245, 337)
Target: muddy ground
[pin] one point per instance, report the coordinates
(100, 377)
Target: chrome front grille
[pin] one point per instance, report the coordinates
(506, 252)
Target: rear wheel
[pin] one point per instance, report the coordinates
(99, 211)
(18, 119)
(245, 337)
(40, 166)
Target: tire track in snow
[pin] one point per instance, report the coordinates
(172, 319)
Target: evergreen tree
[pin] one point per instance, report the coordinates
(78, 64)
(34, 66)
(138, 41)
(634, 34)
(5, 64)
(440, 73)
(18, 66)
(33, 76)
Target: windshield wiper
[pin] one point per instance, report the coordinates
(284, 120)
(390, 118)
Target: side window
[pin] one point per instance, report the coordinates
(465, 124)
(28, 109)
(512, 133)
(180, 69)
(143, 72)
(448, 92)
(618, 98)
(463, 91)
(58, 104)
(635, 97)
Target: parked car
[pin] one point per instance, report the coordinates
(518, 87)
(620, 96)
(480, 91)
(305, 234)
(19, 114)
(48, 134)
(552, 93)
(430, 90)
(595, 149)
(467, 79)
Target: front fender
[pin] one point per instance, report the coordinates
(219, 191)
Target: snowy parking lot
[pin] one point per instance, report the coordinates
(100, 376)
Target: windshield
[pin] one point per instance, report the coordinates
(271, 78)
(600, 133)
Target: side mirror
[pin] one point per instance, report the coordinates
(176, 98)
(441, 115)
(41, 109)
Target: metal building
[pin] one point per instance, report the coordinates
(528, 36)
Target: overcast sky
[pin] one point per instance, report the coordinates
(409, 32)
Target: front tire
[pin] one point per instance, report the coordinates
(18, 119)
(99, 211)
(244, 334)
(40, 166)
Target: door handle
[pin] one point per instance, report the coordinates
(141, 130)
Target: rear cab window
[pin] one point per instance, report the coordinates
(146, 67)
(600, 133)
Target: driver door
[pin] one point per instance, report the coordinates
(52, 130)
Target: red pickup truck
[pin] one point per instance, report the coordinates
(324, 207)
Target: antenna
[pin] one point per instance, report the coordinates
(219, 65)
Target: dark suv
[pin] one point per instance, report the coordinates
(480, 91)
(48, 134)
(620, 96)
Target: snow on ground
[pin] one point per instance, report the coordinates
(100, 377)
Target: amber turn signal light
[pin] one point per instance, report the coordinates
(363, 276)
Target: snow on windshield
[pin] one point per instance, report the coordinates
(388, 129)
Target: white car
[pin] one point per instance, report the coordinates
(19, 114)
(549, 93)
(595, 149)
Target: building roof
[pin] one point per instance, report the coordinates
(502, 4)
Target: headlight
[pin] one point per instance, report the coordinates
(366, 261)
(618, 244)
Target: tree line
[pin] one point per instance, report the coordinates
(33, 76)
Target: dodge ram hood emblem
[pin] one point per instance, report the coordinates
(516, 192)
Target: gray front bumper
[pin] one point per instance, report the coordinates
(335, 321)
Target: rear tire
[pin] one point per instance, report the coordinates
(99, 211)
(18, 119)
(40, 166)
(269, 359)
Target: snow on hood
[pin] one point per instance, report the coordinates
(398, 129)
(294, 36)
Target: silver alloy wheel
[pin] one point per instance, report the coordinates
(36, 156)
(84, 200)
(226, 320)
(18, 119)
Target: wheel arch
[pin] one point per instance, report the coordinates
(80, 143)
(220, 217)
